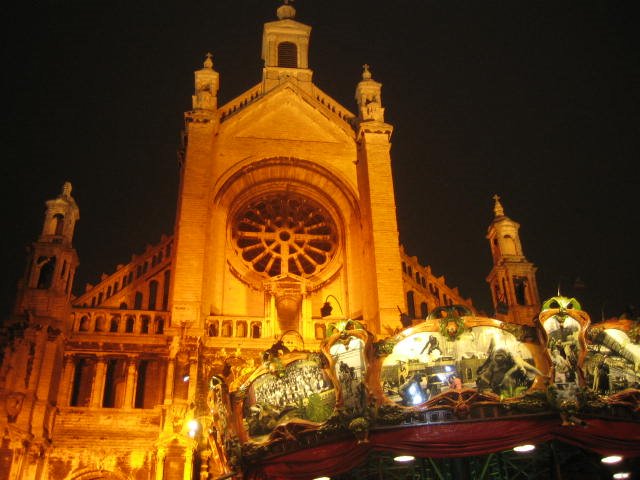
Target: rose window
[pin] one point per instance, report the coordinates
(285, 234)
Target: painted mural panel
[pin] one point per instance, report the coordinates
(612, 363)
(563, 343)
(350, 369)
(300, 390)
(426, 364)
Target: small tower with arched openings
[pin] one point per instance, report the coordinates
(207, 81)
(512, 279)
(285, 50)
(52, 261)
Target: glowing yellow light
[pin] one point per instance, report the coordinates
(193, 426)
(404, 458)
(322, 478)
(524, 448)
(622, 475)
(611, 459)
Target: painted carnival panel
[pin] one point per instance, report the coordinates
(564, 323)
(426, 364)
(612, 362)
(350, 368)
(302, 390)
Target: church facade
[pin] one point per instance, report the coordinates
(285, 238)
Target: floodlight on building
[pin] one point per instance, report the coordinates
(322, 478)
(404, 458)
(524, 448)
(620, 475)
(611, 459)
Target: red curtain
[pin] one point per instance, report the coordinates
(451, 440)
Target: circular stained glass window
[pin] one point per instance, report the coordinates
(283, 234)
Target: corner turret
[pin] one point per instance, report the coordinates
(52, 261)
(207, 82)
(512, 279)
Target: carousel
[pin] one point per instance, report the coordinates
(455, 396)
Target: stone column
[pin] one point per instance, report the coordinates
(168, 388)
(66, 384)
(205, 455)
(193, 379)
(130, 385)
(160, 456)
(97, 390)
(188, 463)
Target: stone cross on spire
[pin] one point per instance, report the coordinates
(208, 62)
(366, 74)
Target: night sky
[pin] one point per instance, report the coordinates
(538, 101)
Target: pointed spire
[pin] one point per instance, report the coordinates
(66, 190)
(497, 207)
(286, 11)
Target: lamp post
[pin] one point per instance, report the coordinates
(326, 309)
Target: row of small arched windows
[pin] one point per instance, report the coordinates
(420, 280)
(128, 277)
(242, 330)
(118, 324)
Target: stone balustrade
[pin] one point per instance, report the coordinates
(106, 321)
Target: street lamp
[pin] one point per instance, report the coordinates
(326, 309)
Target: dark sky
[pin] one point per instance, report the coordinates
(537, 101)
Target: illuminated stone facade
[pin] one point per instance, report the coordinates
(286, 202)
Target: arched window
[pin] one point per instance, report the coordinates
(424, 310)
(212, 331)
(82, 383)
(256, 330)
(287, 55)
(144, 327)
(226, 328)
(153, 294)
(115, 321)
(46, 271)
(411, 305)
(159, 325)
(165, 290)
(508, 245)
(101, 324)
(418, 277)
(84, 324)
(241, 329)
(137, 302)
(58, 224)
(129, 325)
